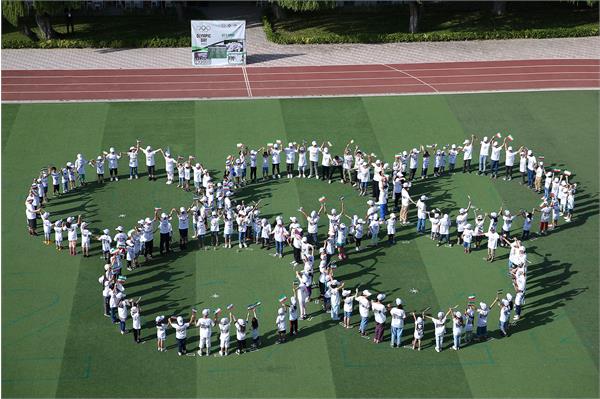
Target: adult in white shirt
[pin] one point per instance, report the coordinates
(205, 325)
(113, 163)
(326, 165)
(495, 157)
(150, 161)
(531, 163)
(275, 152)
(509, 160)
(379, 311)
(290, 159)
(313, 157)
(165, 229)
(421, 214)
(363, 309)
(170, 164)
(181, 331)
(484, 151)
(467, 150)
(458, 322)
(31, 214)
(492, 244)
(398, 315)
(80, 163)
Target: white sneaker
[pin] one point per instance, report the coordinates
(136, 176)
(245, 245)
(317, 177)
(240, 245)
(116, 179)
(130, 178)
(437, 350)
(279, 176)
(455, 348)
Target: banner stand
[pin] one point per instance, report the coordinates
(218, 43)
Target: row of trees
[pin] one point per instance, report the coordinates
(18, 13)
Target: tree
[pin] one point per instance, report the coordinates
(279, 6)
(499, 8)
(415, 9)
(16, 13)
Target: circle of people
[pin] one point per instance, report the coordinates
(213, 207)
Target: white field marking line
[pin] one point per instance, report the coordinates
(247, 81)
(414, 77)
(233, 98)
(290, 80)
(305, 87)
(296, 73)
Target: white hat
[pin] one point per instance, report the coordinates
(111, 149)
(509, 296)
(423, 198)
(325, 150)
(366, 293)
(398, 301)
(224, 320)
(182, 209)
(405, 185)
(457, 314)
(462, 210)
(241, 322)
(453, 146)
(180, 320)
(380, 297)
(370, 202)
(293, 219)
(119, 228)
(482, 305)
(485, 139)
(107, 266)
(148, 148)
(346, 292)
(205, 312)
(360, 221)
(393, 216)
(529, 152)
(163, 215)
(158, 318)
(313, 214)
(404, 153)
(504, 302)
(506, 212)
(440, 315)
(276, 145)
(493, 214)
(129, 243)
(468, 226)
(419, 319)
(45, 215)
(99, 158)
(106, 231)
(314, 143)
(333, 211)
(147, 220)
(281, 311)
(293, 300)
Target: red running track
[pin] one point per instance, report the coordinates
(129, 84)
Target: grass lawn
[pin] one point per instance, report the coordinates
(444, 21)
(57, 343)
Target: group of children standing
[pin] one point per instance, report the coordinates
(214, 209)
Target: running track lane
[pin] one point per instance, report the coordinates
(131, 84)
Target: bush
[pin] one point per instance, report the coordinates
(155, 42)
(441, 36)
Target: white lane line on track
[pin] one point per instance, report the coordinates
(291, 71)
(293, 80)
(247, 81)
(597, 81)
(414, 77)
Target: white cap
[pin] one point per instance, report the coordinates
(293, 300)
(423, 198)
(440, 315)
(370, 202)
(457, 314)
(148, 148)
(366, 293)
(179, 320)
(106, 231)
(241, 322)
(506, 212)
(468, 226)
(493, 214)
(529, 152)
(314, 143)
(482, 305)
(405, 184)
(205, 312)
(119, 228)
(419, 319)
(112, 149)
(380, 297)
(99, 158)
(485, 139)
(224, 320)
(398, 301)
(504, 302)
(346, 292)
(325, 150)
(107, 266)
(509, 296)
(182, 209)
(281, 311)
(163, 215)
(158, 318)
(453, 146)
(462, 210)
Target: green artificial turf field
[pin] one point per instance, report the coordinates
(55, 341)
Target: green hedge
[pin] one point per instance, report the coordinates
(83, 43)
(329, 38)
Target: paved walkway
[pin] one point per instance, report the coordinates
(264, 53)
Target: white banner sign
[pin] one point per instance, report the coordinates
(218, 43)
